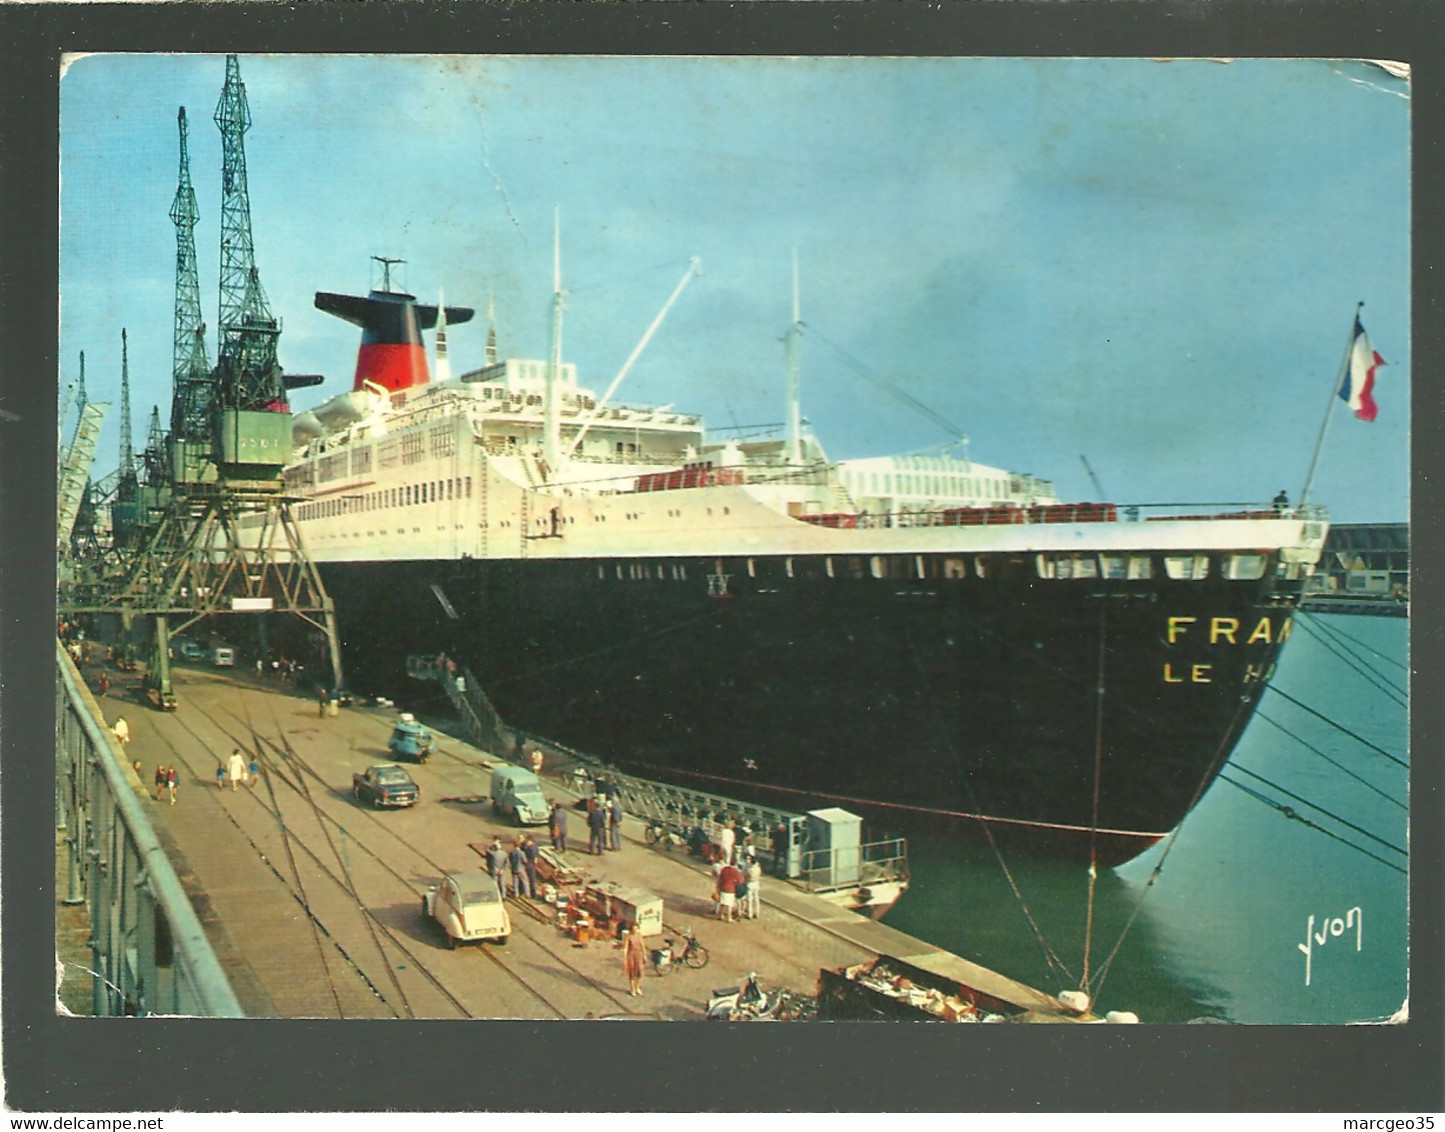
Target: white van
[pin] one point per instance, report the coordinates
(223, 656)
(517, 794)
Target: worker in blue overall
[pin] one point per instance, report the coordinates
(596, 828)
(614, 821)
(517, 859)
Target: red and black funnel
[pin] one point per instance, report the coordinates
(391, 353)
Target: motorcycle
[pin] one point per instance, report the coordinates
(667, 957)
(663, 837)
(748, 1002)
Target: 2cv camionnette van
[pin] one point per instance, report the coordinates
(468, 906)
(517, 794)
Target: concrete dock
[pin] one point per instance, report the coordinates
(313, 902)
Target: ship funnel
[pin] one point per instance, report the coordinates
(391, 353)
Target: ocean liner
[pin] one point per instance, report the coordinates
(919, 637)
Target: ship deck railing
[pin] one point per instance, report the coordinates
(1033, 514)
(776, 835)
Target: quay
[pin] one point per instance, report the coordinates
(312, 902)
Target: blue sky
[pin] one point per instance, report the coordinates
(1153, 264)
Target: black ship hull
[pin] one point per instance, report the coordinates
(1086, 716)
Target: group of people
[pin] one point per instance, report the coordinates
(166, 782)
(237, 770)
(604, 823)
(737, 878)
(282, 669)
(519, 864)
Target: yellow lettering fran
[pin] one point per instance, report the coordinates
(1261, 633)
(1169, 677)
(1284, 630)
(1176, 627)
(1200, 674)
(1222, 627)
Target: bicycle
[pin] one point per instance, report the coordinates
(667, 957)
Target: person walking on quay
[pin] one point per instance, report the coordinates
(161, 781)
(253, 773)
(753, 907)
(537, 761)
(497, 864)
(728, 879)
(530, 851)
(323, 697)
(121, 730)
(558, 827)
(727, 839)
(221, 775)
(102, 683)
(614, 822)
(517, 859)
(596, 828)
(236, 769)
(173, 779)
(634, 955)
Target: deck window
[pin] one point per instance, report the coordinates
(1076, 566)
(1186, 567)
(1141, 566)
(1245, 567)
(1114, 565)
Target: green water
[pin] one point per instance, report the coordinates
(1217, 936)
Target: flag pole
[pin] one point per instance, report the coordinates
(1330, 408)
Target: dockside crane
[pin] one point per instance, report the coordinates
(125, 508)
(226, 542)
(193, 381)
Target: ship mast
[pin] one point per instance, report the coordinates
(551, 416)
(491, 330)
(792, 344)
(443, 363)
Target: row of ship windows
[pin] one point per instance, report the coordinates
(924, 484)
(356, 459)
(1184, 567)
(408, 495)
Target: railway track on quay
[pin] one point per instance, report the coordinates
(351, 870)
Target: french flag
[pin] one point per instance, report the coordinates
(1359, 385)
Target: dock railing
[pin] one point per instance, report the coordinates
(150, 954)
(855, 866)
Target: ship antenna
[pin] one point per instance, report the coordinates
(386, 265)
(694, 267)
(551, 430)
(792, 345)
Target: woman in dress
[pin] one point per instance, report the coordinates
(634, 954)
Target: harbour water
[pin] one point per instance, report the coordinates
(1242, 887)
